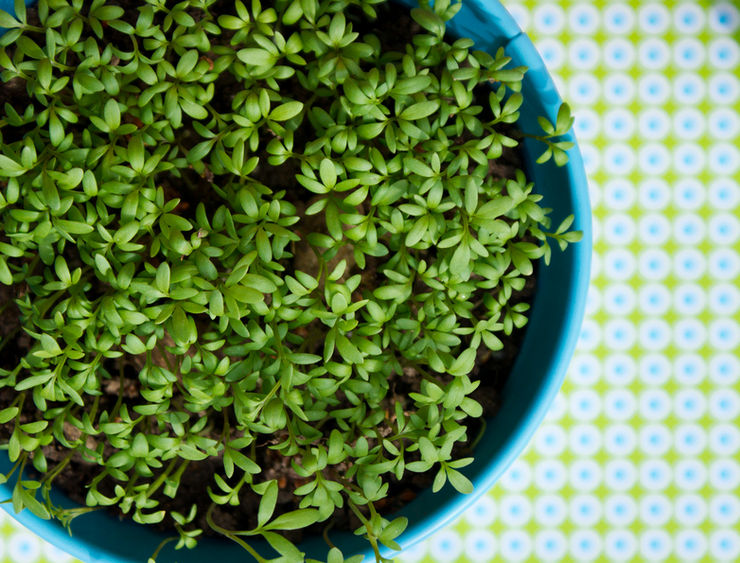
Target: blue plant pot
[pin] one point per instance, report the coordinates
(551, 336)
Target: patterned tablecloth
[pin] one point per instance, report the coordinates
(638, 458)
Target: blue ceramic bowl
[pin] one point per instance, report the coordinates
(554, 325)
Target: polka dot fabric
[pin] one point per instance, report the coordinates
(638, 457)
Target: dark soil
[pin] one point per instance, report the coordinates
(492, 369)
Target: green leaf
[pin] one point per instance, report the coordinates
(461, 483)
(9, 167)
(295, 520)
(286, 111)
(464, 363)
(267, 504)
(256, 57)
(420, 110)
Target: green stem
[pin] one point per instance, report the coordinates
(229, 534)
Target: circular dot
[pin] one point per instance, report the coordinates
(620, 405)
(619, 159)
(688, 229)
(619, 299)
(654, 334)
(690, 545)
(653, 124)
(724, 159)
(619, 264)
(724, 334)
(516, 510)
(654, 159)
(654, 264)
(689, 299)
(689, 369)
(654, 18)
(585, 545)
(724, 193)
(480, 545)
(619, 18)
(654, 404)
(619, 194)
(619, 229)
(552, 52)
(654, 54)
(690, 404)
(724, 439)
(655, 439)
(550, 545)
(724, 88)
(688, 158)
(690, 474)
(619, 334)
(483, 512)
(688, 53)
(724, 510)
(550, 440)
(689, 334)
(619, 369)
(584, 440)
(619, 124)
(689, 264)
(515, 545)
(655, 510)
(688, 88)
(550, 510)
(724, 404)
(585, 475)
(416, 552)
(619, 54)
(724, 53)
(655, 299)
(688, 18)
(655, 475)
(724, 545)
(587, 124)
(654, 194)
(446, 545)
(583, 18)
(655, 545)
(724, 17)
(688, 124)
(724, 124)
(619, 89)
(654, 89)
(724, 264)
(549, 19)
(724, 369)
(583, 54)
(620, 545)
(620, 475)
(655, 369)
(620, 439)
(690, 509)
(724, 229)
(620, 510)
(550, 475)
(24, 546)
(688, 194)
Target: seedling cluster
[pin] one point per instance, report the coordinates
(145, 228)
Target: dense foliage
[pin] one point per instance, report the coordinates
(144, 222)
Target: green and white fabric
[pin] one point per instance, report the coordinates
(638, 460)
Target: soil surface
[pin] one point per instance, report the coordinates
(492, 369)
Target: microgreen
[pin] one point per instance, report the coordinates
(145, 224)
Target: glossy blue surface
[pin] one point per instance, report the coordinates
(554, 326)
